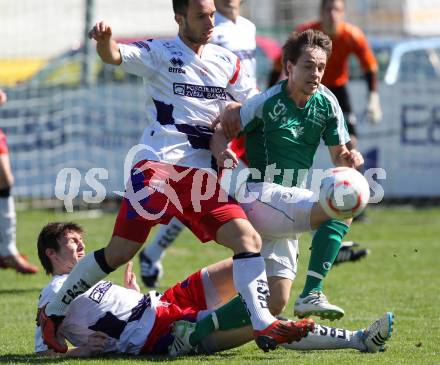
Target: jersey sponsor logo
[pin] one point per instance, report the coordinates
(99, 291)
(199, 91)
(177, 65)
(316, 116)
(297, 131)
(278, 110)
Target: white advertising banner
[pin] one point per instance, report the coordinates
(407, 142)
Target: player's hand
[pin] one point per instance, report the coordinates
(374, 110)
(230, 120)
(101, 31)
(227, 159)
(352, 158)
(95, 344)
(3, 97)
(130, 281)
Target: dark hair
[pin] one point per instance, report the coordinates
(298, 41)
(324, 3)
(180, 6)
(49, 238)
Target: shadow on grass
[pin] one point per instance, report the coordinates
(40, 359)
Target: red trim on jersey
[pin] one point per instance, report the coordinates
(237, 71)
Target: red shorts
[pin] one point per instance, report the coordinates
(181, 302)
(192, 195)
(3, 144)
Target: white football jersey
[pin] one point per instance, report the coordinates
(185, 93)
(238, 37)
(124, 314)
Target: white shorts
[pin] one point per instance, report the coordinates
(277, 211)
(281, 257)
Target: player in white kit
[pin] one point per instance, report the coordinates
(236, 34)
(111, 318)
(187, 83)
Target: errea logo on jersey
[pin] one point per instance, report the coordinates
(177, 65)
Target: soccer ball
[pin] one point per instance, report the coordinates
(344, 193)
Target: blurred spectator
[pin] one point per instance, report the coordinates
(236, 33)
(9, 255)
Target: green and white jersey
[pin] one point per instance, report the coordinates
(281, 135)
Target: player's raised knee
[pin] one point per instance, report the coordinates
(240, 236)
(252, 241)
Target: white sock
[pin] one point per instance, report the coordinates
(212, 297)
(251, 283)
(84, 275)
(328, 338)
(164, 238)
(8, 221)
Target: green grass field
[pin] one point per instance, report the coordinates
(401, 275)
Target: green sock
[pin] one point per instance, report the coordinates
(325, 247)
(231, 315)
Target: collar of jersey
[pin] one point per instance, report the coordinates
(289, 101)
(187, 49)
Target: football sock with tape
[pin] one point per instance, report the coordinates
(229, 316)
(325, 247)
(328, 338)
(164, 238)
(86, 273)
(250, 281)
(8, 222)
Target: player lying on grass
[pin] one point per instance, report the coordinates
(110, 318)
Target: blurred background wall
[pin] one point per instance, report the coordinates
(68, 110)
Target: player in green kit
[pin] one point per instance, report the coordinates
(283, 128)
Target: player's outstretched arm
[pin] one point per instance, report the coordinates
(95, 346)
(341, 156)
(106, 47)
(374, 110)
